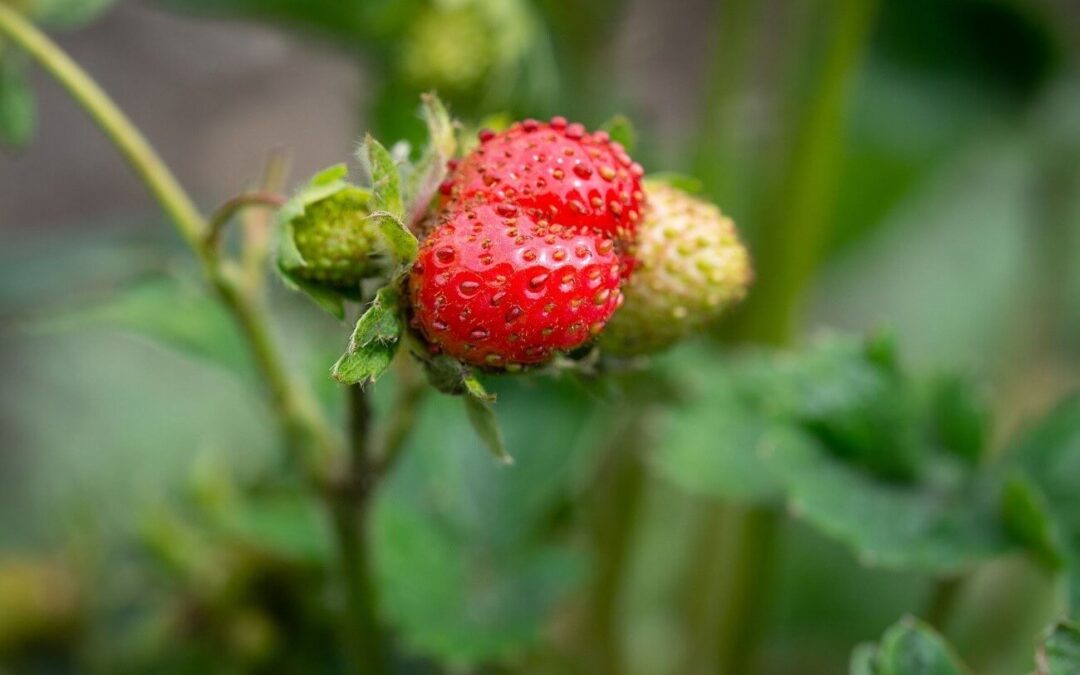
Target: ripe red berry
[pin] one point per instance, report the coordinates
(493, 287)
(557, 172)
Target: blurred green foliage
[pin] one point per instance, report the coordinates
(139, 454)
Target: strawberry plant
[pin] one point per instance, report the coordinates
(676, 479)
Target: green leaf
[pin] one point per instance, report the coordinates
(385, 179)
(621, 131)
(482, 417)
(1026, 516)
(713, 447)
(289, 525)
(1059, 653)
(831, 431)
(174, 311)
(17, 107)
(676, 180)
(467, 567)
(947, 523)
(909, 647)
(960, 417)
(1049, 456)
(402, 243)
(374, 341)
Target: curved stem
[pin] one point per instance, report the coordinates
(220, 218)
(112, 121)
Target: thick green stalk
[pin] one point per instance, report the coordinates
(728, 582)
(794, 229)
(364, 636)
(612, 525)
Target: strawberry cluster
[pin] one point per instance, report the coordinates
(533, 238)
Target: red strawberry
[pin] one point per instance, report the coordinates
(557, 172)
(494, 287)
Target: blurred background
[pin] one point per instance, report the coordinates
(910, 166)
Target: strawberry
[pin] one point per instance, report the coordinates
(557, 172)
(496, 288)
(338, 243)
(690, 267)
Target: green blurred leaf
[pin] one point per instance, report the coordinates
(374, 341)
(1027, 518)
(832, 431)
(385, 179)
(943, 523)
(621, 131)
(1059, 653)
(174, 311)
(1049, 455)
(468, 568)
(960, 417)
(17, 107)
(289, 525)
(909, 647)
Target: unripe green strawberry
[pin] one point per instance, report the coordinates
(337, 241)
(326, 242)
(691, 266)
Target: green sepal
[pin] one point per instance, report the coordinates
(453, 377)
(431, 169)
(374, 341)
(402, 243)
(621, 130)
(482, 417)
(385, 178)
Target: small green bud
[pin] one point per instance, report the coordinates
(448, 49)
(690, 268)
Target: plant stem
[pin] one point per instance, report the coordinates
(942, 601)
(795, 226)
(364, 636)
(412, 388)
(727, 594)
(728, 583)
(614, 519)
